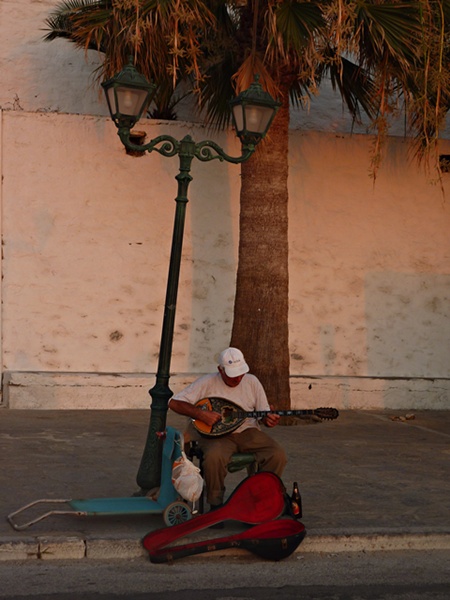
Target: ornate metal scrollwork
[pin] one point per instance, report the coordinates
(205, 151)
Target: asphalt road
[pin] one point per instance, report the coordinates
(408, 575)
(285, 593)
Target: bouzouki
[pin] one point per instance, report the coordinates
(233, 415)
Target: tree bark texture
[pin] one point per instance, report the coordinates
(260, 326)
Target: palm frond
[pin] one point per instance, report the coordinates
(293, 33)
(217, 90)
(374, 51)
(66, 20)
(393, 28)
(357, 88)
(428, 98)
(297, 23)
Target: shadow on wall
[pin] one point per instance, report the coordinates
(408, 325)
(207, 276)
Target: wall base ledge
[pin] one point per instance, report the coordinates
(110, 391)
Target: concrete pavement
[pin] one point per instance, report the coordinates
(371, 480)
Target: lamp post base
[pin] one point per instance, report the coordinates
(149, 472)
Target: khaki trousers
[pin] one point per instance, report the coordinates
(217, 452)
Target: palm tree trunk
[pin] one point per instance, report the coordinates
(260, 327)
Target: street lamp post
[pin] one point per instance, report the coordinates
(128, 95)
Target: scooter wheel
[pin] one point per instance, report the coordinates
(176, 513)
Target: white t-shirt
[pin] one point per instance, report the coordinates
(249, 394)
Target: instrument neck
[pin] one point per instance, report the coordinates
(262, 413)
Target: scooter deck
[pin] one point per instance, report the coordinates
(115, 506)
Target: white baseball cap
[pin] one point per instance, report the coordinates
(233, 362)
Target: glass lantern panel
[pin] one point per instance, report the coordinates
(257, 118)
(111, 99)
(130, 101)
(238, 114)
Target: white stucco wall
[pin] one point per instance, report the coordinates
(86, 235)
(42, 76)
(370, 284)
(86, 240)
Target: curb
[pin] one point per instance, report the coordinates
(375, 542)
(75, 548)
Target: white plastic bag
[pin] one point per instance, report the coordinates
(186, 478)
